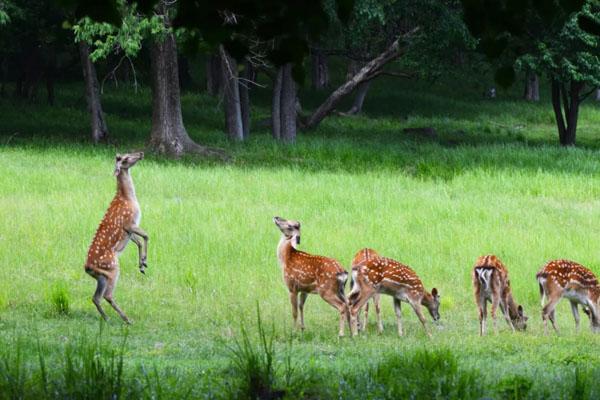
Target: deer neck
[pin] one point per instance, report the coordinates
(125, 186)
(284, 250)
(427, 300)
(511, 306)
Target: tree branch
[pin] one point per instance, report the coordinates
(371, 68)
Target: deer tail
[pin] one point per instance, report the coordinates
(342, 277)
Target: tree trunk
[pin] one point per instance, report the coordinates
(249, 76)
(231, 93)
(214, 75)
(532, 87)
(92, 95)
(566, 110)
(361, 93)
(597, 94)
(276, 105)
(320, 71)
(288, 104)
(368, 72)
(168, 135)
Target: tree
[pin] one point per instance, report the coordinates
(559, 38)
(570, 59)
(92, 94)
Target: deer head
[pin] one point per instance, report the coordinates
(126, 161)
(290, 229)
(432, 302)
(520, 320)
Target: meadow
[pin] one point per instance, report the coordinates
(212, 317)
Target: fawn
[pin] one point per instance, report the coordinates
(119, 225)
(305, 273)
(573, 281)
(387, 276)
(363, 255)
(491, 284)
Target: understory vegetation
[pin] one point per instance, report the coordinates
(212, 317)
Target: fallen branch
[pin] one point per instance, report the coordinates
(369, 71)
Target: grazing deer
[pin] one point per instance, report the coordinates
(119, 225)
(491, 284)
(573, 281)
(387, 276)
(363, 255)
(305, 273)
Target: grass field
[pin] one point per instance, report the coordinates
(494, 182)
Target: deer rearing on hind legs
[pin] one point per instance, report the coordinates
(491, 284)
(361, 256)
(573, 281)
(119, 225)
(305, 273)
(387, 276)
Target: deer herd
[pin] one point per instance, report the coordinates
(371, 274)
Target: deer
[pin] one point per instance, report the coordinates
(363, 255)
(573, 281)
(491, 284)
(387, 276)
(306, 274)
(119, 225)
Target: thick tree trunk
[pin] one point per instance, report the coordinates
(532, 87)
(365, 74)
(320, 71)
(597, 94)
(276, 105)
(566, 110)
(92, 95)
(231, 93)
(288, 104)
(214, 76)
(168, 135)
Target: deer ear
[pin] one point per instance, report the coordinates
(520, 310)
(434, 292)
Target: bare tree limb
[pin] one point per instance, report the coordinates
(372, 67)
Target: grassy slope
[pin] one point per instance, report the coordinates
(494, 182)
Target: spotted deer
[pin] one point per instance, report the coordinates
(119, 225)
(361, 256)
(491, 284)
(387, 276)
(305, 273)
(573, 281)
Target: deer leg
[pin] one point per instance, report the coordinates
(417, 308)
(363, 325)
(575, 310)
(482, 308)
(398, 311)
(100, 289)
(333, 299)
(303, 297)
(294, 301)
(140, 247)
(108, 296)
(136, 230)
(377, 303)
(495, 303)
(354, 311)
(548, 313)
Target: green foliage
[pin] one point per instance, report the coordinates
(125, 38)
(254, 364)
(570, 53)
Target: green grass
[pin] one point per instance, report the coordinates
(494, 182)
